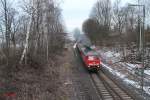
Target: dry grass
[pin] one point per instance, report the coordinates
(35, 83)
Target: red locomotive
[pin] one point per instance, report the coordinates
(90, 57)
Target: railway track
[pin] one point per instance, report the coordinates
(107, 89)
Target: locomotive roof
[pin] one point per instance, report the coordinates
(90, 52)
(87, 50)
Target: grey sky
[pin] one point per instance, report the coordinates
(76, 11)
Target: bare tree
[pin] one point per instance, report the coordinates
(34, 33)
(100, 16)
(45, 29)
(102, 12)
(91, 28)
(8, 27)
(7, 34)
(119, 15)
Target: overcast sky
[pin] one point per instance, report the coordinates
(76, 11)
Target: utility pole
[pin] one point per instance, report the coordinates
(142, 41)
(143, 49)
(140, 29)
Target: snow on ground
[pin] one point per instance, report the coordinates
(114, 72)
(109, 54)
(108, 68)
(122, 76)
(132, 65)
(147, 72)
(110, 57)
(74, 46)
(147, 89)
(133, 83)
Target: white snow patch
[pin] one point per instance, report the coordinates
(137, 85)
(129, 81)
(74, 46)
(147, 89)
(133, 83)
(114, 72)
(131, 65)
(147, 72)
(117, 54)
(108, 68)
(108, 54)
(122, 76)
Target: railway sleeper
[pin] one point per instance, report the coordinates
(115, 88)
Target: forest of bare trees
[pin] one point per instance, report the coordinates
(115, 19)
(31, 33)
(31, 37)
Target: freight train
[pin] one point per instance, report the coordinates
(89, 57)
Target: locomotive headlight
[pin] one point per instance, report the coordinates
(90, 64)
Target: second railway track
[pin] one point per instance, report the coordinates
(107, 89)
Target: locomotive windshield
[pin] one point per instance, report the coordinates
(92, 53)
